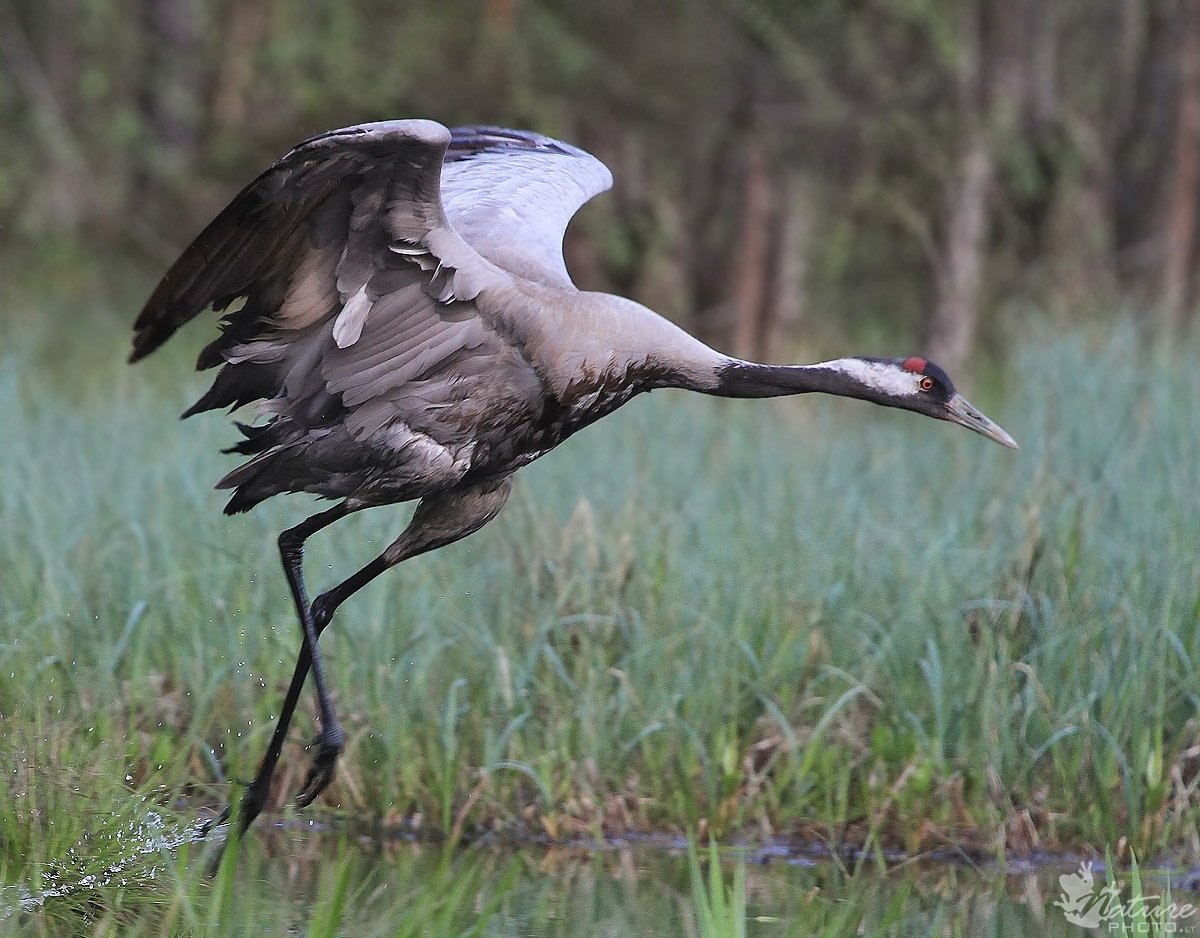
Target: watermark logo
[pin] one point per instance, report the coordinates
(1087, 905)
(1079, 901)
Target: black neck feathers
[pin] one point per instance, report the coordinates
(749, 379)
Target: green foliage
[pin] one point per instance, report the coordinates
(691, 614)
(720, 910)
(812, 618)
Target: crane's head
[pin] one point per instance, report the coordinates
(920, 385)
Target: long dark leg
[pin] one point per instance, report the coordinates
(332, 739)
(439, 520)
(291, 549)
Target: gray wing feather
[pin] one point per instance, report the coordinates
(358, 311)
(297, 243)
(345, 259)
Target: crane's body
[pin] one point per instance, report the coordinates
(502, 392)
(409, 330)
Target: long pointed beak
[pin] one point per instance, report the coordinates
(960, 411)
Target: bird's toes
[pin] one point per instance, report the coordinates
(327, 746)
(318, 779)
(207, 827)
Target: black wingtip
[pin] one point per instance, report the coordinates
(240, 502)
(139, 350)
(208, 401)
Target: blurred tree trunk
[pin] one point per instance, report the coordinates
(1036, 134)
(171, 92)
(713, 195)
(1140, 122)
(750, 251)
(743, 238)
(67, 188)
(1177, 205)
(768, 256)
(495, 64)
(1005, 88)
(632, 206)
(959, 251)
(790, 229)
(244, 25)
(49, 82)
(958, 264)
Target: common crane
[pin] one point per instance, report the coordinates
(408, 324)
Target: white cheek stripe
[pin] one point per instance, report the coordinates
(883, 377)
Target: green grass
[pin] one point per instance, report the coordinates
(720, 909)
(808, 618)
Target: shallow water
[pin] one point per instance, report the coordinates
(286, 879)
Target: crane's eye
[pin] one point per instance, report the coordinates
(926, 383)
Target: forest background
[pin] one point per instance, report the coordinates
(927, 170)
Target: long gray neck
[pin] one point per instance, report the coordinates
(602, 332)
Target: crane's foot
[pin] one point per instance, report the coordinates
(328, 747)
(209, 826)
(215, 839)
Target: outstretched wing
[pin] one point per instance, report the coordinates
(296, 242)
(512, 193)
(356, 313)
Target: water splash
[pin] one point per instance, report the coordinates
(137, 852)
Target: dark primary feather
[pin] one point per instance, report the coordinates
(270, 225)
